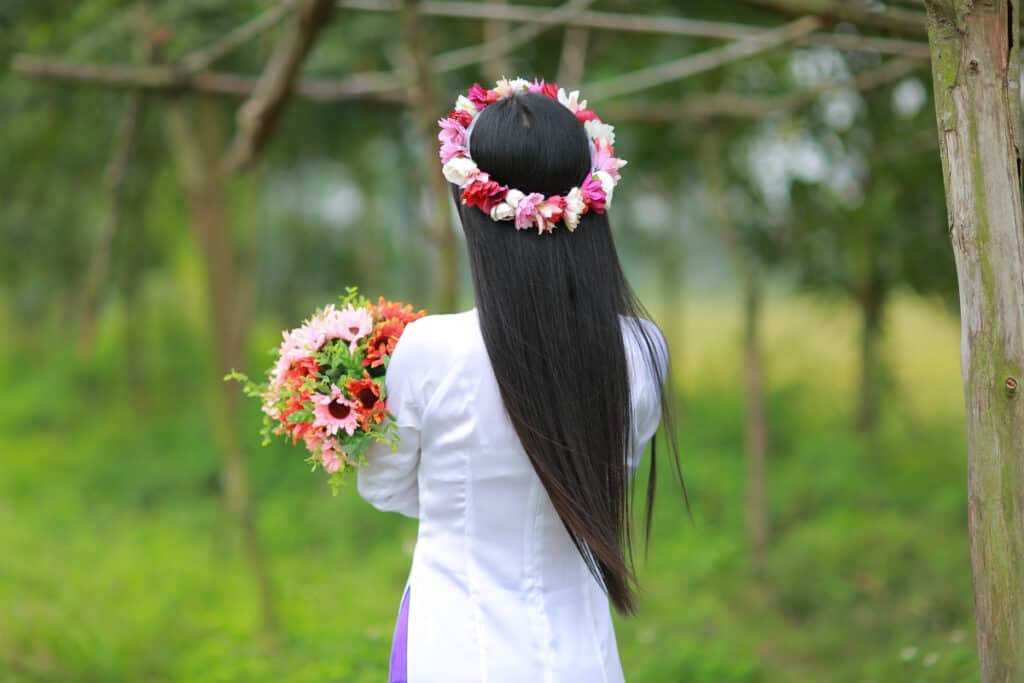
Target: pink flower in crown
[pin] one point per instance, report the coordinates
(549, 212)
(481, 97)
(526, 210)
(593, 193)
(334, 412)
(453, 139)
(604, 159)
(329, 457)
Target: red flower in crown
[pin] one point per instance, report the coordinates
(483, 193)
(584, 115)
(463, 117)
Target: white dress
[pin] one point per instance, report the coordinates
(498, 592)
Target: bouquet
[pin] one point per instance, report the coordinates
(326, 387)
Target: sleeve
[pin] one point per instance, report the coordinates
(389, 480)
(647, 417)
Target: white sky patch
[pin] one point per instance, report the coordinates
(841, 108)
(776, 158)
(908, 97)
(320, 191)
(815, 66)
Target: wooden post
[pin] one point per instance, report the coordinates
(976, 71)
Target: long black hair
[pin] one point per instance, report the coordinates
(549, 308)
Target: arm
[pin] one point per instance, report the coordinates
(389, 480)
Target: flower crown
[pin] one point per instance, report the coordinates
(528, 209)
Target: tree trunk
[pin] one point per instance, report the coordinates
(757, 417)
(426, 111)
(976, 71)
(748, 271)
(206, 194)
(872, 308)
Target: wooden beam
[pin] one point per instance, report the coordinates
(873, 17)
(259, 115)
(374, 86)
(204, 58)
(637, 23)
(508, 41)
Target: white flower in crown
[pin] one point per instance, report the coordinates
(571, 100)
(600, 131)
(506, 88)
(503, 212)
(459, 170)
(573, 208)
(506, 210)
(607, 184)
(463, 103)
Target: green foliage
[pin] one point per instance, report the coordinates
(117, 564)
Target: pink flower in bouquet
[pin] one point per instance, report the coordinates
(335, 412)
(329, 457)
(352, 324)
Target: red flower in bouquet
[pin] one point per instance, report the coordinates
(385, 310)
(299, 370)
(369, 406)
(382, 342)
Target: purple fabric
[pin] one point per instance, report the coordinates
(399, 668)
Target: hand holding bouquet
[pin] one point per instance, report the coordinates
(327, 385)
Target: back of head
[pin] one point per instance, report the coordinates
(551, 308)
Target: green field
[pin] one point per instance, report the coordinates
(116, 564)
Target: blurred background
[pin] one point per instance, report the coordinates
(167, 210)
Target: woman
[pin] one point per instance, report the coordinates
(522, 419)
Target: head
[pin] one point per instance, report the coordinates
(550, 307)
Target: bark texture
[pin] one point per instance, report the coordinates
(976, 70)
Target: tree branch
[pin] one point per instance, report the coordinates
(621, 21)
(701, 62)
(736, 105)
(894, 21)
(258, 116)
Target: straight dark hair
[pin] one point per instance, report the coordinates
(549, 308)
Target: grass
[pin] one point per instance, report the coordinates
(116, 564)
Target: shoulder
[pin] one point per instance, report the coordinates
(645, 333)
(434, 334)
